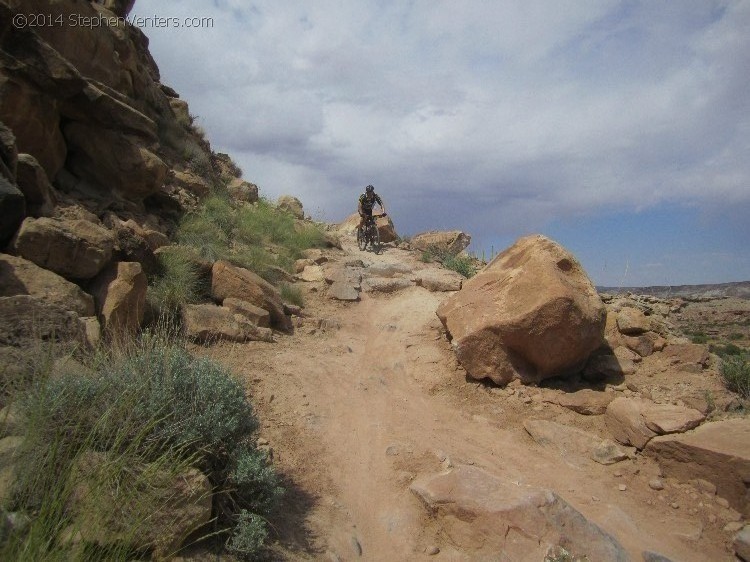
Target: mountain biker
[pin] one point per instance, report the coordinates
(366, 202)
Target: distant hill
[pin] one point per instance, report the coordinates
(740, 289)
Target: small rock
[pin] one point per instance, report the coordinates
(431, 550)
(261, 442)
(674, 505)
(618, 473)
(733, 527)
(722, 502)
(622, 487)
(712, 519)
(656, 484)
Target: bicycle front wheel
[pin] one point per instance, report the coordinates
(361, 239)
(375, 239)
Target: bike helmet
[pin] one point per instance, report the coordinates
(370, 189)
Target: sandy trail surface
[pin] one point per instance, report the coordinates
(365, 397)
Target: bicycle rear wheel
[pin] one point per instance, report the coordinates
(361, 238)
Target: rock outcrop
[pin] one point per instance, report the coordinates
(718, 452)
(443, 241)
(530, 314)
(477, 510)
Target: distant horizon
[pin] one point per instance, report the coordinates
(620, 130)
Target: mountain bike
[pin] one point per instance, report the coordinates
(369, 234)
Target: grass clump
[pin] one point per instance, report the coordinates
(103, 449)
(459, 263)
(177, 283)
(735, 370)
(292, 294)
(258, 237)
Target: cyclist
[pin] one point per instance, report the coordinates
(366, 202)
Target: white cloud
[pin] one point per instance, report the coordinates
(472, 110)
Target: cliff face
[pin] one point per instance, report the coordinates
(98, 162)
(89, 130)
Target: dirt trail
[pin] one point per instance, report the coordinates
(357, 408)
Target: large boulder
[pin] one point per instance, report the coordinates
(33, 182)
(76, 249)
(479, 511)
(22, 277)
(718, 452)
(25, 320)
(228, 280)
(120, 293)
(112, 160)
(385, 225)
(242, 190)
(34, 119)
(530, 314)
(291, 205)
(448, 241)
(207, 323)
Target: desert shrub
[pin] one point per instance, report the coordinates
(457, 262)
(735, 370)
(460, 264)
(248, 537)
(154, 406)
(177, 283)
(734, 336)
(724, 351)
(292, 294)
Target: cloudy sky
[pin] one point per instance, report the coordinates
(621, 129)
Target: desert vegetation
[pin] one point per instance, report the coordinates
(164, 437)
(458, 262)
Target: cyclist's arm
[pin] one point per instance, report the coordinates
(382, 206)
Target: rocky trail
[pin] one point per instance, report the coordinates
(365, 409)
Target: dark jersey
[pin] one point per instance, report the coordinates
(369, 203)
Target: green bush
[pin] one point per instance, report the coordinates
(292, 294)
(249, 535)
(177, 283)
(735, 370)
(725, 350)
(457, 262)
(153, 406)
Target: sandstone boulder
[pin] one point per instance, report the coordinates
(718, 452)
(22, 277)
(208, 323)
(113, 161)
(604, 366)
(439, 280)
(386, 284)
(688, 357)
(480, 511)
(587, 402)
(242, 190)
(386, 229)
(120, 294)
(252, 313)
(530, 314)
(192, 183)
(25, 319)
(75, 249)
(636, 421)
(447, 241)
(32, 181)
(291, 205)
(631, 321)
(343, 291)
(228, 280)
(311, 274)
(35, 121)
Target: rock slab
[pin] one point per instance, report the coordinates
(486, 514)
